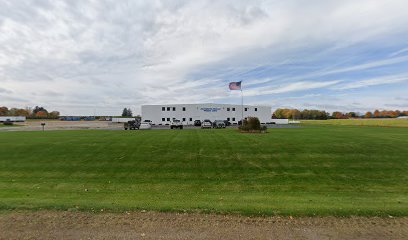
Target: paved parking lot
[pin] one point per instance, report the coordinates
(35, 125)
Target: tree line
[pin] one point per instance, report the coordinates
(33, 113)
(323, 115)
(375, 114)
(297, 114)
(39, 112)
(386, 114)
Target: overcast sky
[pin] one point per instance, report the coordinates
(86, 57)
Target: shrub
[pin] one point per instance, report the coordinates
(251, 124)
(8, 123)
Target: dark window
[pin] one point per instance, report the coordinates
(174, 109)
(184, 119)
(233, 119)
(228, 109)
(163, 119)
(163, 109)
(246, 109)
(228, 119)
(184, 109)
(233, 109)
(168, 119)
(168, 108)
(256, 109)
(191, 119)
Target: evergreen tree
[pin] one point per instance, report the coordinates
(127, 112)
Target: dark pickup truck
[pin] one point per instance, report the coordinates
(132, 125)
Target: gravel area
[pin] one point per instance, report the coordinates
(62, 125)
(153, 225)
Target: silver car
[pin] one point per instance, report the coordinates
(218, 124)
(206, 124)
(145, 126)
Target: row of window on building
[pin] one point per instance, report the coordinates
(171, 108)
(245, 109)
(184, 109)
(168, 119)
(191, 119)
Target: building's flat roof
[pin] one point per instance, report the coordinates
(219, 104)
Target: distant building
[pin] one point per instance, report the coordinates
(403, 117)
(188, 113)
(12, 119)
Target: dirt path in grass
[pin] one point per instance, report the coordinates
(153, 225)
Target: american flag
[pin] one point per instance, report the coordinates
(235, 85)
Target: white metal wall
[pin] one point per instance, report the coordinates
(122, 120)
(187, 113)
(13, 119)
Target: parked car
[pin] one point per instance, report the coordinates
(206, 124)
(197, 123)
(227, 123)
(218, 124)
(207, 120)
(145, 126)
(176, 124)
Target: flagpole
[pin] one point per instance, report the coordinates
(242, 106)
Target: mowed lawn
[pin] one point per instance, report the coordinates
(378, 122)
(313, 170)
(14, 125)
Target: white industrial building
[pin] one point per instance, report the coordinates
(188, 113)
(12, 119)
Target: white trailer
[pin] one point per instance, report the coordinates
(122, 120)
(280, 121)
(12, 119)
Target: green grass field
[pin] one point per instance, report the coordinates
(360, 122)
(313, 170)
(14, 125)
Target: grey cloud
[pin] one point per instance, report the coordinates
(3, 90)
(334, 107)
(18, 100)
(402, 98)
(403, 106)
